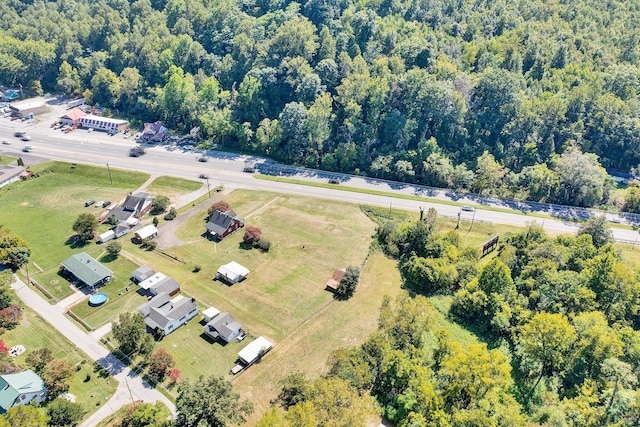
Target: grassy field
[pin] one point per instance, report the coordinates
(172, 187)
(6, 160)
(35, 333)
(43, 209)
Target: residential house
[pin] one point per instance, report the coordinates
(232, 273)
(223, 326)
(87, 270)
(134, 206)
(20, 389)
(221, 224)
(158, 284)
(120, 230)
(142, 273)
(163, 315)
(154, 132)
(146, 232)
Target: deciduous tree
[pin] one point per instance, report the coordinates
(85, 226)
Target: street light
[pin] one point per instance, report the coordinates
(109, 169)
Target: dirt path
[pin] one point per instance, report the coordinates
(167, 230)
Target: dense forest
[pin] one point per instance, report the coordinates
(558, 325)
(528, 99)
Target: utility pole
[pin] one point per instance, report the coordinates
(109, 169)
(208, 188)
(472, 218)
(130, 394)
(26, 267)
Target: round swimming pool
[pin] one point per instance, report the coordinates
(98, 299)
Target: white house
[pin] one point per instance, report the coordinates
(163, 315)
(107, 235)
(20, 389)
(256, 349)
(210, 313)
(146, 232)
(232, 272)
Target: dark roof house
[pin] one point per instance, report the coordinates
(135, 205)
(86, 269)
(155, 132)
(223, 326)
(163, 315)
(221, 224)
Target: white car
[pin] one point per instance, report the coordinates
(467, 209)
(5, 142)
(26, 138)
(99, 204)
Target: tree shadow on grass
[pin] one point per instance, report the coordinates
(75, 242)
(107, 258)
(245, 246)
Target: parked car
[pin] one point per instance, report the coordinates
(334, 181)
(106, 203)
(90, 130)
(89, 203)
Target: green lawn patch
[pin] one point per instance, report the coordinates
(172, 187)
(34, 332)
(43, 209)
(7, 160)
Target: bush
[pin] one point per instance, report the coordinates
(196, 268)
(114, 248)
(149, 244)
(159, 205)
(252, 235)
(171, 215)
(155, 221)
(264, 245)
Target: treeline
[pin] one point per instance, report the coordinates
(557, 317)
(413, 90)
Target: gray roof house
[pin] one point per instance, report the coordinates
(221, 224)
(136, 205)
(86, 269)
(223, 326)
(142, 273)
(21, 388)
(163, 315)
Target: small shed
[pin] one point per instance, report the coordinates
(232, 272)
(256, 349)
(210, 313)
(107, 235)
(146, 232)
(334, 281)
(142, 273)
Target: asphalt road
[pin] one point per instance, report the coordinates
(97, 148)
(130, 385)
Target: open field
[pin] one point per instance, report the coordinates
(35, 333)
(6, 160)
(43, 209)
(172, 187)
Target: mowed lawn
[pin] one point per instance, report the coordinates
(172, 187)
(42, 211)
(90, 388)
(310, 238)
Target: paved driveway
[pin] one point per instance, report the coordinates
(130, 385)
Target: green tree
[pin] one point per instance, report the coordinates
(39, 358)
(146, 415)
(131, 333)
(14, 250)
(105, 87)
(63, 413)
(160, 205)
(56, 375)
(597, 227)
(544, 344)
(25, 416)
(85, 226)
(114, 248)
(583, 181)
(348, 283)
(209, 402)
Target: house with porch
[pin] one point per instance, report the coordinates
(86, 270)
(20, 389)
(223, 326)
(163, 315)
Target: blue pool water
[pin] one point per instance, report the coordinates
(98, 299)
